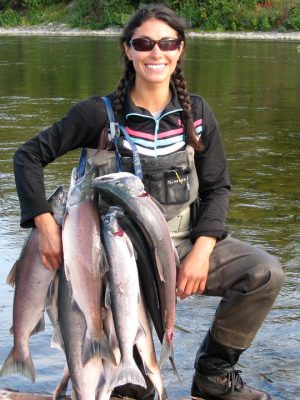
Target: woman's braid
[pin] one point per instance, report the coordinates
(184, 98)
(119, 99)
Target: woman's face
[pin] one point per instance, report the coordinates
(154, 66)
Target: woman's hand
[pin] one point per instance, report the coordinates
(193, 271)
(50, 243)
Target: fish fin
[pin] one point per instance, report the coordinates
(104, 266)
(61, 389)
(12, 366)
(107, 300)
(74, 306)
(74, 394)
(127, 373)
(40, 326)
(101, 383)
(57, 340)
(159, 266)
(100, 347)
(51, 292)
(11, 277)
(147, 370)
(163, 395)
(167, 352)
(141, 333)
(67, 272)
(177, 259)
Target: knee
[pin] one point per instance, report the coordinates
(263, 273)
(271, 270)
(276, 274)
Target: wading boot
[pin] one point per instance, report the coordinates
(215, 377)
(229, 386)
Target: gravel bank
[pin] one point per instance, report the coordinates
(64, 30)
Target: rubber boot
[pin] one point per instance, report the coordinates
(215, 377)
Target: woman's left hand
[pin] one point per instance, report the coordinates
(193, 271)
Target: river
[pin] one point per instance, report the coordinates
(253, 87)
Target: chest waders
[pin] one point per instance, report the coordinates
(170, 179)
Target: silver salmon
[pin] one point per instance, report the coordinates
(105, 389)
(146, 271)
(145, 346)
(72, 324)
(85, 263)
(123, 286)
(127, 191)
(33, 291)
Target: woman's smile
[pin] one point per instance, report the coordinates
(155, 65)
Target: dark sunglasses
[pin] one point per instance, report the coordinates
(143, 44)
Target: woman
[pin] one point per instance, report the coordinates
(176, 131)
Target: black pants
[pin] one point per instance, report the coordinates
(248, 279)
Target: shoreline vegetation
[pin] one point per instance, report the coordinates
(246, 19)
(53, 29)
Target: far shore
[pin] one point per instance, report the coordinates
(53, 29)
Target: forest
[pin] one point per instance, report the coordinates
(201, 15)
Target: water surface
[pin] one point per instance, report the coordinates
(254, 90)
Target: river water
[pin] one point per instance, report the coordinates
(254, 89)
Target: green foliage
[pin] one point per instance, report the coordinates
(220, 15)
(293, 22)
(99, 14)
(9, 18)
(5, 4)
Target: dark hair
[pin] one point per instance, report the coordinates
(168, 16)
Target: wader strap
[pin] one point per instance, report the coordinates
(81, 164)
(114, 132)
(135, 155)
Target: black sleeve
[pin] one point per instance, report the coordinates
(81, 127)
(214, 184)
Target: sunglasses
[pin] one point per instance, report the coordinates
(143, 44)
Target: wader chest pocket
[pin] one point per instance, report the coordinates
(170, 187)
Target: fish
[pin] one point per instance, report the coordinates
(123, 296)
(127, 191)
(144, 262)
(145, 347)
(85, 263)
(72, 325)
(105, 389)
(33, 291)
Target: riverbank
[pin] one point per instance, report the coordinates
(52, 29)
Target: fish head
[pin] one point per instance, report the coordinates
(81, 189)
(123, 184)
(57, 202)
(110, 220)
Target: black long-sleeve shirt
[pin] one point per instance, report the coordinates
(82, 127)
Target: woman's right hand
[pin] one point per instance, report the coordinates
(50, 242)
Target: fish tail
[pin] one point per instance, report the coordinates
(100, 347)
(167, 352)
(61, 388)
(24, 367)
(57, 340)
(128, 373)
